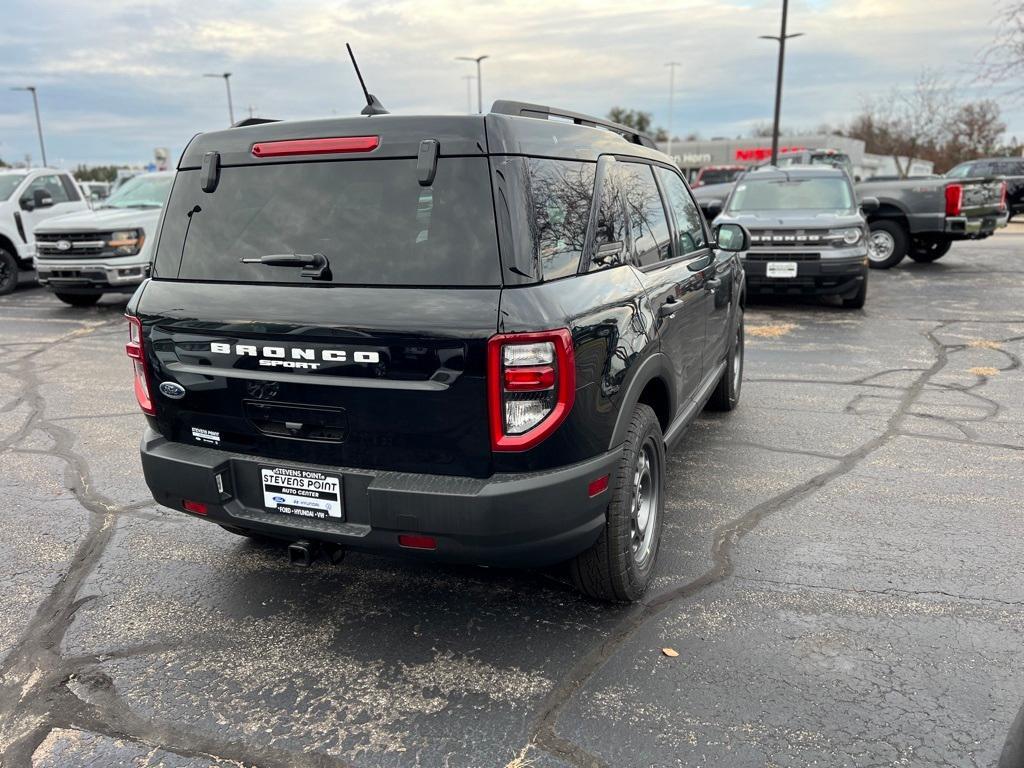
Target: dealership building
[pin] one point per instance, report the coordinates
(691, 156)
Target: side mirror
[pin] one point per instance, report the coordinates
(732, 237)
(41, 198)
(869, 204)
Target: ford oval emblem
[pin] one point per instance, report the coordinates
(172, 390)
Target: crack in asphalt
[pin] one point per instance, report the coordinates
(726, 536)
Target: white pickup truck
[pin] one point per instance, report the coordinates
(28, 198)
(105, 250)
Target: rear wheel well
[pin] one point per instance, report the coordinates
(655, 395)
(890, 212)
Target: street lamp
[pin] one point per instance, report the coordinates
(39, 123)
(227, 84)
(782, 38)
(671, 98)
(469, 99)
(479, 79)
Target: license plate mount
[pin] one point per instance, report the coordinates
(782, 269)
(302, 493)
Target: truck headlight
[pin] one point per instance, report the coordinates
(850, 236)
(126, 242)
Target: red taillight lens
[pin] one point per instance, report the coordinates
(195, 507)
(134, 350)
(954, 199)
(336, 145)
(1002, 197)
(531, 380)
(410, 541)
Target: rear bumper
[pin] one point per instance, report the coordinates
(518, 520)
(840, 276)
(974, 227)
(88, 276)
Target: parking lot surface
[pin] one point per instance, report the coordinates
(840, 574)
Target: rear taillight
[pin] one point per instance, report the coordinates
(954, 199)
(134, 350)
(1002, 196)
(531, 386)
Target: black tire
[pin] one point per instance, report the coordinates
(618, 567)
(927, 251)
(727, 394)
(857, 300)
(887, 245)
(78, 299)
(8, 272)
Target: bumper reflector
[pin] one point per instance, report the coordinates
(597, 486)
(195, 507)
(416, 542)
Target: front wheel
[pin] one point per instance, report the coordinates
(618, 567)
(78, 299)
(930, 250)
(727, 394)
(887, 245)
(857, 300)
(8, 272)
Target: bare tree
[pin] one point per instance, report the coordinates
(906, 123)
(1003, 61)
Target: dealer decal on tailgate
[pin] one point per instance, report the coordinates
(301, 492)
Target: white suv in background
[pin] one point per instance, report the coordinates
(105, 250)
(28, 198)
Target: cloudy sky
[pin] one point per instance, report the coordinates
(117, 78)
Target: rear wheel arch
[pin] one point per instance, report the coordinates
(651, 385)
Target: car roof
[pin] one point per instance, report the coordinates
(796, 171)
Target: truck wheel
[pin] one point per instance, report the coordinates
(8, 272)
(727, 394)
(618, 567)
(78, 299)
(887, 245)
(857, 300)
(927, 251)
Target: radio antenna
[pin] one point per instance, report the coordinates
(373, 105)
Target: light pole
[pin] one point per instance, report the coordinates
(782, 38)
(227, 84)
(469, 99)
(479, 79)
(39, 123)
(671, 99)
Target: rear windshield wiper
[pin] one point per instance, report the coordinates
(314, 265)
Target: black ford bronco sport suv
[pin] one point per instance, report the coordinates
(467, 339)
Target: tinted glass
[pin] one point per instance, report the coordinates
(648, 224)
(52, 184)
(8, 183)
(141, 192)
(719, 175)
(371, 219)
(794, 194)
(689, 225)
(558, 195)
(609, 248)
(960, 171)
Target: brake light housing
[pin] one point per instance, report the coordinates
(531, 380)
(136, 353)
(331, 146)
(954, 199)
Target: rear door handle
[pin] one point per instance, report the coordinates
(670, 307)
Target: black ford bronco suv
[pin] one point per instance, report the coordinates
(467, 339)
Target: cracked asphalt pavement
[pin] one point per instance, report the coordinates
(840, 575)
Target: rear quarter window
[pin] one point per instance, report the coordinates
(371, 219)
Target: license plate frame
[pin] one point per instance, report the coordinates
(781, 269)
(298, 492)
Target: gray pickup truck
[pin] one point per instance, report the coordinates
(922, 218)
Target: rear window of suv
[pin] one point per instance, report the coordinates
(371, 219)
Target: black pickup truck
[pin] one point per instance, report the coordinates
(922, 218)
(458, 338)
(1009, 169)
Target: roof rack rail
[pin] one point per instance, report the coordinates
(542, 112)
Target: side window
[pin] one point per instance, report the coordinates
(961, 171)
(559, 195)
(609, 244)
(52, 184)
(689, 224)
(648, 224)
(69, 188)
